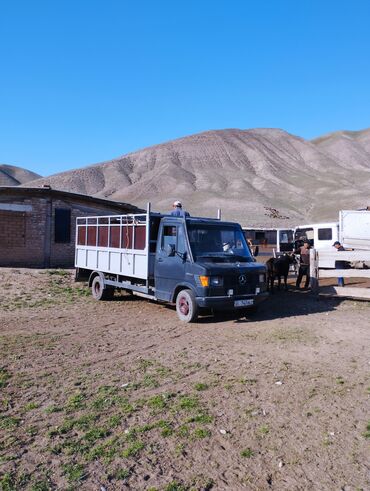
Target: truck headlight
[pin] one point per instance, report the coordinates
(262, 278)
(217, 281)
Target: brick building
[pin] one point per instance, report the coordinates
(37, 225)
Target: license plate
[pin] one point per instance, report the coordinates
(243, 303)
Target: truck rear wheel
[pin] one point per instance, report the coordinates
(98, 291)
(186, 306)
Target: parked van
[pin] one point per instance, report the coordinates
(320, 235)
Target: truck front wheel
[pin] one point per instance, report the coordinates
(186, 306)
(98, 291)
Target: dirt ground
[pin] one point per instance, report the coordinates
(122, 395)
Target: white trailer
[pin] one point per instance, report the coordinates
(354, 229)
(320, 235)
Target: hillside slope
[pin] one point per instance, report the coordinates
(244, 172)
(11, 175)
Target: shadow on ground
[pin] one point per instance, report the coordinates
(282, 304)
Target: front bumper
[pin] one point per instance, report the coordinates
(227, 303)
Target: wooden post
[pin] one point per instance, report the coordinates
(314, 272)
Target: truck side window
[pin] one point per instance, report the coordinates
(181, 244)
(325, 234)
(169, 236)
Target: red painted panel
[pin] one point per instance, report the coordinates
(81, 240)
(140, 237)
(91, 235)
(126, 237)
(114, 236)
(103, 236)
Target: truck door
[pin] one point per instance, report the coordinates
(169, 270)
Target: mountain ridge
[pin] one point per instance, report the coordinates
(11, 175)
(245, 172)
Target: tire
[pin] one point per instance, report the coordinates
(98, 291)
(186, 306)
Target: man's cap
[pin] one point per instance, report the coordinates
(177, 203)
(336, 243)
(306, 241)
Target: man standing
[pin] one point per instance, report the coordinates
(340, 264)
(304, 267)
(178, 211)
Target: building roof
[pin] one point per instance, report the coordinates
(48, 192)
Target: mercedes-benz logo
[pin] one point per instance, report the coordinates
(242, 279)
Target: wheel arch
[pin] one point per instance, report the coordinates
(93, 275)
(182, 286)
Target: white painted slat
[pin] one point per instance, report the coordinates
(344, 255)
(344, 273)
(318, 258)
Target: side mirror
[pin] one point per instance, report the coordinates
(170, 250)
(256, 251)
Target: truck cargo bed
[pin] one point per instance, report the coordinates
(117, 244)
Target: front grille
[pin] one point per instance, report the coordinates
(232, 281)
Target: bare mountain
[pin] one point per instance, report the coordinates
(264, 177)
(13, 176)
(347, 148)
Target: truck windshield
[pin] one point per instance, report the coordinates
(218, 241)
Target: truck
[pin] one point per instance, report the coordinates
(320, 235)
(198, 264)
(354, 229)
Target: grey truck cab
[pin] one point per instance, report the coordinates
(202, 263)
(197, 263)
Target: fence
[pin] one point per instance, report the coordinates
(321, 261)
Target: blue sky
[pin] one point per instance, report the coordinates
(86, 81)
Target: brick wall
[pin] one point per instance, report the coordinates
(26, 251)
(12, 229)
(62, 254)
(27, 238)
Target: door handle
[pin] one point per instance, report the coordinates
(160, 260)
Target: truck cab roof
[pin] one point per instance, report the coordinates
(200, 220)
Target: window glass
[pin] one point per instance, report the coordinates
(325, 234)
(304, 233)
(181, 242)
(169, 236)
(218, 241)
(286, 236)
